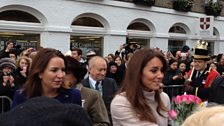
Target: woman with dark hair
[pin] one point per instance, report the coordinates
(140, 101)
(45, 78)
(92, 101)
(173, 75)
(112, 71)
(118, 60)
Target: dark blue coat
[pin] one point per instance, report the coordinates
(64, 96)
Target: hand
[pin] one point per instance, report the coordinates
(11, 79)
(23, 71)
(24, 68)
(178, 76)
(5, 79)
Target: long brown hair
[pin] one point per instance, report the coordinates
(33, 87)
(133, 86)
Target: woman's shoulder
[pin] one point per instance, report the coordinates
(19, 97)
(20, 92)
(76, 91)
(120, 99)
(69, 96)
(69, 91)
(165, 97)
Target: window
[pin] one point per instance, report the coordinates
(22, 40)
(177, 29)
(20, 16)
(85, 43)
(138, 26)
(87, 21)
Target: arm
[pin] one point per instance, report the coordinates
(96, 109)
(18, 98)
(76, 97)
(123, 115)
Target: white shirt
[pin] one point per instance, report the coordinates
(92, 83)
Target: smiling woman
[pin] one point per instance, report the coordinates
(141, 93)
(46, 78)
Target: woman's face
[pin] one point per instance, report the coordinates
(182, 67)
(110, 58)
(173, 66)
(53, 75)
(113, 69)
(118, 61)
(23, 63)
(6, 70)
(152, 74)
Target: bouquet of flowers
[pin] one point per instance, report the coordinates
(182, 106)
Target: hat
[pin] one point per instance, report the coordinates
(90, 53)
(68, 53)
(185, 49)
(43, 111)
(201, 51)
(7, 62)
(112, 63)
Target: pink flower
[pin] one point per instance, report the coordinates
(183, 105)
(190, 99)
(197, 100)
(177, 99)
(172, 114)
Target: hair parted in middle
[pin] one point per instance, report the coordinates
(133, 85)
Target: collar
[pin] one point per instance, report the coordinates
(93, 82)
(149, 95)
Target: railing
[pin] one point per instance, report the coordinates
(173, 90)
(6, 103)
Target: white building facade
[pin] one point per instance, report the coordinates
(57, 25)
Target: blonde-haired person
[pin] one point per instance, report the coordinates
(210, 116)
(23, 66)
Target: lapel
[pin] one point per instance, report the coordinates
(103, 87)
(86, 82)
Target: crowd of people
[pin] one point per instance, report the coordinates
(124, 88)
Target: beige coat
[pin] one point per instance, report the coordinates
(123, 115)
